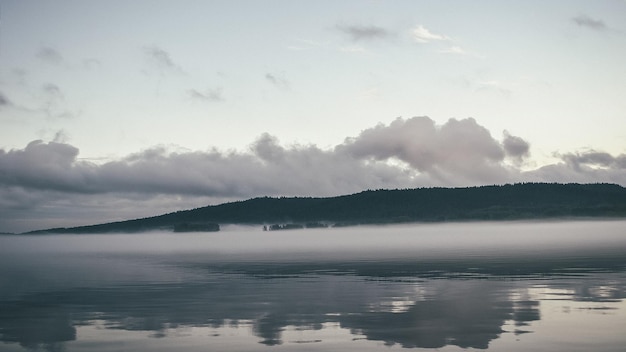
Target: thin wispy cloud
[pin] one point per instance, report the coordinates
(54, 104)
(52, 90)
(49, 55)
(493, 86)
(423, 35)
(91, 64)
(306, 44)
(353, 49)
(586, 21)
(49, 102)
(277, 81)
(160, 59)
(209, 95)
(4, 101)
(454, 50)
(363, 33)
(19, 76)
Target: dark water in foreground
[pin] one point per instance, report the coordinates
(552, 286)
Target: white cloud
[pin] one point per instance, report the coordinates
(423, 35)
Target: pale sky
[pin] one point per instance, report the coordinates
(115, 109)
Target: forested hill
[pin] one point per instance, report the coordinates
(507, 202)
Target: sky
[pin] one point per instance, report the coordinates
(111, 110)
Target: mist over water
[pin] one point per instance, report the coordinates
(371, 242)
(508, 286)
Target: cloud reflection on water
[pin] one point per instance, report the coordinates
(434, 313)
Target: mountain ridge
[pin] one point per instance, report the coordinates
(437, 204)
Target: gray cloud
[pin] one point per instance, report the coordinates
(594, 158)
(582, 167)
(49, 179)
(458, 152)
(44, 166)
(370, 32)
(210, 95)
(267, 168)
(160, 59)
(586, 21)
(52, 90)
(4, 101)
(277, 81)
(515, 147)
(563, 172)
(50, 55)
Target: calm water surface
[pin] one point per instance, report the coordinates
(549, 286)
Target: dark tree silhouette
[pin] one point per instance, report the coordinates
(504, 202)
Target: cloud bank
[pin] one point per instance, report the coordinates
(48, 178)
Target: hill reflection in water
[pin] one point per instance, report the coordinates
(427, 286)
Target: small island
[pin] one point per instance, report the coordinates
(292, 226)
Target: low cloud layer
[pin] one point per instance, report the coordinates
(48, 178)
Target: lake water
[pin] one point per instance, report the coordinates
(512, 286)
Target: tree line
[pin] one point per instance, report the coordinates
(497, 202)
